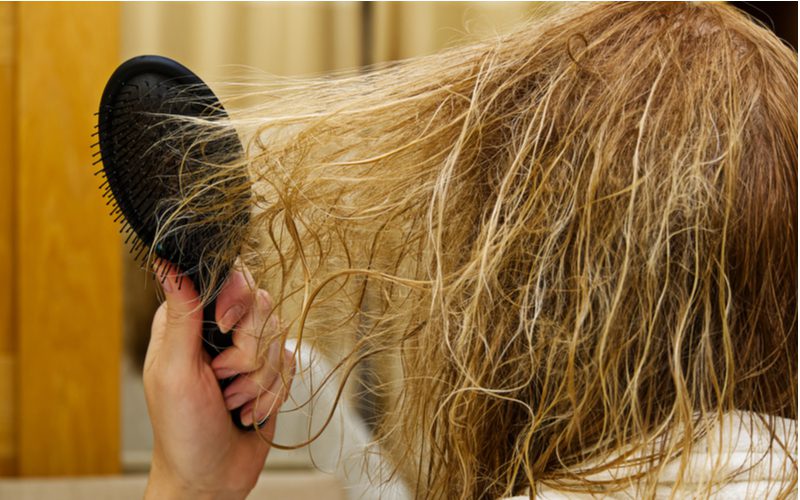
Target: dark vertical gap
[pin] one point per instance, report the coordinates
(367, 39)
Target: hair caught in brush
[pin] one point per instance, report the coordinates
(573, 246)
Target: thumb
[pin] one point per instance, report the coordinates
(177, 328)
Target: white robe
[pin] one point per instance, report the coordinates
(345, 449)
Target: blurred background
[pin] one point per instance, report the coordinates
(75, 309)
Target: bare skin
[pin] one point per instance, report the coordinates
(198, 452)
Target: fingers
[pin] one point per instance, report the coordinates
(254, 356)
(177, 325)
(266, 403)
(266, 430)
(234, 300)
(266, 370)
(181, 314)
(248, 386)
(249, 339)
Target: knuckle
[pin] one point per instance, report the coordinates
(264, 299)
(238, 288)
(255, 362)
(248, 362)
(257, 331)
(249, 385)
(173, 316)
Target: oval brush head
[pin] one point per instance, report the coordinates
(165, 148)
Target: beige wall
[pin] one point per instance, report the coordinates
(290, 38)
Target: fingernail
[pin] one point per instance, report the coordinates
(230, 318)
(264, 299)
(225, 373)
(247, 418)
(235, 400)
(260, 417)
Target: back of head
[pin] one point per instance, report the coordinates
(578, 240)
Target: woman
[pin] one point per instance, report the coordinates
(575, 244)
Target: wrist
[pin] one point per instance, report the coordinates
(162, 484)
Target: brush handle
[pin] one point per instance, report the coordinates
(214, 342)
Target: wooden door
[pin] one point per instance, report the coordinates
(60, 266)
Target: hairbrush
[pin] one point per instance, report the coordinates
(163, 177)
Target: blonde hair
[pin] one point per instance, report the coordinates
(577, 242)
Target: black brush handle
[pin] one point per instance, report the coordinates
(215, 342)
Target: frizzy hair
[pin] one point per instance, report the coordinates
(576, 243)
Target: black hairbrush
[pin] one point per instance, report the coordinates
(164, 180)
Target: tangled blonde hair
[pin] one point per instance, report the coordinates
(576, 243)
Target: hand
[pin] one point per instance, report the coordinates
(198, 452)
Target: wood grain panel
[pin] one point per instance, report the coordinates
(68, 264)
(7, 330)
